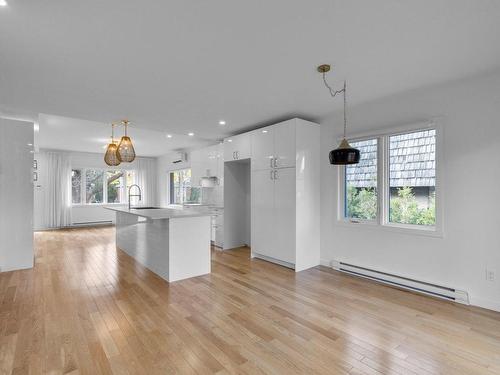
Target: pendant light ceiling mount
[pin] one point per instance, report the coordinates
(325, 68)
(344, 154)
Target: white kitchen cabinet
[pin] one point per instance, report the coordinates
(284, 214)
(237, 147)
(218, 229)
(262, 142)
(220, 164)
(274, 146)
(197, 167)
(211, 166)
(285, 194)
(205, 162)
(285, 147)
(262, 196)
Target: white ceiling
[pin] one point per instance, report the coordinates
(180, 66)
(64, 133)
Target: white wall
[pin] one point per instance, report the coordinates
(16, 195)
(471, 242)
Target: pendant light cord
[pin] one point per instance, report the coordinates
(333, 94)
(125, 124)
(345, 105)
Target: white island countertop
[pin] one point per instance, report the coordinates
(165, 213)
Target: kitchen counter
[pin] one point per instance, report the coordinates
(174, 243)
(165, 213)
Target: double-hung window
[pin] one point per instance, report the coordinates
(100, 186)
(395, 184)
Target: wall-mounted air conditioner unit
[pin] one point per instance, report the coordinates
(180, 157)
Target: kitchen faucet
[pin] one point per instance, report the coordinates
(134, 195)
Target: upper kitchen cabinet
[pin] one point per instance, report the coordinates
(237, 147)
(205, 166)
(196, 166)
(274, 146)
(262, 142)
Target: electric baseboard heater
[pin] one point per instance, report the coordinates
(435, 290)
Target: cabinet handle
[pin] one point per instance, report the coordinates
(237, 154)
(271, 162)
(275, 174)
(275, 162)
(234, 155)
(271, 174)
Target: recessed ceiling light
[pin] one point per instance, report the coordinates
(229, 140)
(222, 122)
(190, 134)
(169, 135)
(264, 131)
(3, 3)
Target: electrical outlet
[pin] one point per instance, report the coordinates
(490, 274)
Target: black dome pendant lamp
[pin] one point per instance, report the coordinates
(344, 154)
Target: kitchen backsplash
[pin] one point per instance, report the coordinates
(213, 196)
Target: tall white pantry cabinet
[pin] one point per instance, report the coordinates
(285, 193)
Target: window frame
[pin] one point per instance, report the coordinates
(83, 187)
(383, 185)
(171, 187)
(343, 183)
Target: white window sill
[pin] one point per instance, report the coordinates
(394, 228)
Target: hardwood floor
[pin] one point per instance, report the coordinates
(87, 308)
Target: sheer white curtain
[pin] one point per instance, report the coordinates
(145, 177)
(57, 191)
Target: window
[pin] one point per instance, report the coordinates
(76, 186)
(394, 183)
(361, 183)
(94, 186)
(115, 185)
(412, 178)
(98, 186)
(181, 191)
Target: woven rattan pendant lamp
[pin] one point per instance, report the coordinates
(111, 155)
(126, 152)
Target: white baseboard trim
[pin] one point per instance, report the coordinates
(273, 260)
(325, 262)
(76, 225)
(485, 303)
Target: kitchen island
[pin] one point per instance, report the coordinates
(173, 243)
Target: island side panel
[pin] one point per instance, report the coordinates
(145, 240)
(189, 247)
